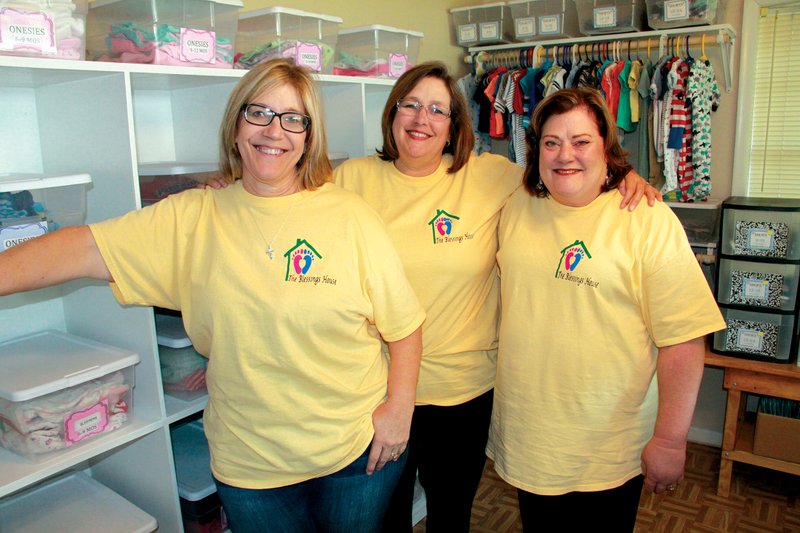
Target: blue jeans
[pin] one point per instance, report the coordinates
(347, 501)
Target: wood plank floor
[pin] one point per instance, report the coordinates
(761, 501)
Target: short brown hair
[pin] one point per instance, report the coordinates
(462, 139)
(314, 167)
(562, 102)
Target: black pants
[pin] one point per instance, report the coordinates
(448, 447)
(612, 510)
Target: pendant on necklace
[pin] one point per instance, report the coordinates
(270, 251)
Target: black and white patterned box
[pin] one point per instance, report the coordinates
(756, 288)
(768, 239)
(758, 338)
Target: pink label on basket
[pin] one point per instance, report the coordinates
(82, 424)
(398, 64)
(198, 46)
(27, 31)
(309, 55)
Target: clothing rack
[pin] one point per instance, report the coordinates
(486, 58)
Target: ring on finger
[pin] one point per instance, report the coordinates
(670, 488)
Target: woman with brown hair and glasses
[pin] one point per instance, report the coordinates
(602, 331)
(441, 204)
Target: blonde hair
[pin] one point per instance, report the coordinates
(314, 167)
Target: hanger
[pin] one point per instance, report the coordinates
(648, 48)
(688, 52)
(703, 48)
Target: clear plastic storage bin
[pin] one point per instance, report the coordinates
(306, 38)
(74, 502)
(159, 180)
(31, 205)
(610, 16)
(43, 28)
(57, 390)
(700, 220)
(755, 335)
(183, 370)
(198, 33)
(758, 284)
(761, 233)
(666, 14)
(376, 51)
(543, 19)
(482, 25)
(200, 505)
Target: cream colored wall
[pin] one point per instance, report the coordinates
(431, 17)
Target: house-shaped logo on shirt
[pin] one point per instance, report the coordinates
(441, 225)
(300, 257)
(571, 256)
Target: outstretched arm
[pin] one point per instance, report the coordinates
(63, 255)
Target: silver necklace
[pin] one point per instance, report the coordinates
(270, 250)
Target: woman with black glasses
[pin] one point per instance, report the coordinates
(441, 204)
(287, 284)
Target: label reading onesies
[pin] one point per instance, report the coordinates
(198, 46)
(31, 31)
(398, 64)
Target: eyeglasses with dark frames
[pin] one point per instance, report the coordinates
(410, 107)
(261, 115)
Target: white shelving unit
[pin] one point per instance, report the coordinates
(63, 117)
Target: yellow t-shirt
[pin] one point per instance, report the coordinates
(588, 295)
(444, 227)
(295, 361)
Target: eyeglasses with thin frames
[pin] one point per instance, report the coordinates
(261, 115)
(410, 107)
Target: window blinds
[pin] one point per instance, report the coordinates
(775, 146)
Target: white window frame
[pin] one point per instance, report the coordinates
(744, 109)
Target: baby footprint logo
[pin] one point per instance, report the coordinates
(301, 260)
(442, 224)
(571, 256)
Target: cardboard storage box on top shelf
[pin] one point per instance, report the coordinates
(200, 504)
(482, 24)
(777, 437)
(666, 14)
(33, 204)
(543, 19)
(159, 180)
(58, 390)
(376, 51)
(306, 38)
(43, 28)
(74, 502)
(197, 33)
(610, 16)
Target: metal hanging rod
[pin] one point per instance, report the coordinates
(725, 37)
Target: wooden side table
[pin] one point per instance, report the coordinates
(743, 376)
